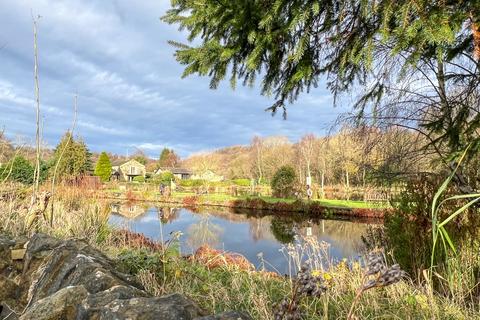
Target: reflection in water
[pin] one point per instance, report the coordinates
(167, 215)
(204, 232)
(248, 234)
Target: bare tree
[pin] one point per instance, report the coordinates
(37, 108)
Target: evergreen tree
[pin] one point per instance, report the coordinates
(168, 158)
(73, 156)
(283, 182)
(416, 61)
(18, 169)
(103, 169)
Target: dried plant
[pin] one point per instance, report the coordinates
(376, 275)
(305, 285)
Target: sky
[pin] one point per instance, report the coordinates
(115, 56)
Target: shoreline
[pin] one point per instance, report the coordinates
(310, 208)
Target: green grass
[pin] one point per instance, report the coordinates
(217, 197)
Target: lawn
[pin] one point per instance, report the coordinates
(217, 197)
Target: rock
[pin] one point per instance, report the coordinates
(173, 306)
(63, 304)
(18, 254)
(230, 315)
(7, 313)
(5, 257)
(100, 299)
(74, 263)
(71, 280)
(8, 289)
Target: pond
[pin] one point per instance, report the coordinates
(258, 237)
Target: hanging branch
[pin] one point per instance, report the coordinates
(75, 105)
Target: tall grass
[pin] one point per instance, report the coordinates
(80, 213)
(231, 288)
(458, 279)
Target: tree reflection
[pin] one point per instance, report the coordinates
(282, 230)
(167, 214)
(204, 232)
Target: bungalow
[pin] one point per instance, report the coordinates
(179, 173)
(126, 171)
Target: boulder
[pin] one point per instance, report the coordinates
(173, 306)
(62, 304)
(71, 280)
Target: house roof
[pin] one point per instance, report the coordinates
(122, 162)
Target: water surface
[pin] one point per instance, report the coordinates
(249, 234)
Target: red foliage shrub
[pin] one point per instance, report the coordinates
(190, 201)
(212, 258)
(135, 240)
(130, 195)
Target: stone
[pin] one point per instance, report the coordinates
(8, 289)
(63, 304)
(229, 315)
(5, 257)
(7, 313)
(170, 307)
(18, 254)
(71, 280)
(74, 263)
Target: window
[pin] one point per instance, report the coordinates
(132, 170)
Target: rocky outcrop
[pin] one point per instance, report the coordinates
(71, 280)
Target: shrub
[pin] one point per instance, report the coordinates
(192, 183)
(103, 169)
(242, 182)
(190, 201)
(283, 182)
(139, 179)
(164, 177)
(19, 169)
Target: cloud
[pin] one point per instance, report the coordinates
(115, 56)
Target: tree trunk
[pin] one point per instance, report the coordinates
(323, 183)
(347, 185)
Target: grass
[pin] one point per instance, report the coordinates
(230, 288)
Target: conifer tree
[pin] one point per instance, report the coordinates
(103, 169)
(168, 158)
(75, 159)
(410, 63)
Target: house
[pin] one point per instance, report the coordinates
(208, 175)
(126, 171)
(179, 173)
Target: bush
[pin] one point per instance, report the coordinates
(242, 182)
(19, 169)
(165, 178)
(283, 182)
(192, 183)
(138, 179)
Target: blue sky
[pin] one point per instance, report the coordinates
(115, 55)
